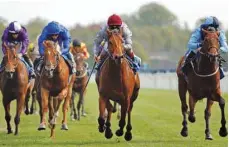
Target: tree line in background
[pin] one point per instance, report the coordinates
(158, 37)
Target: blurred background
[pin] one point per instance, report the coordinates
(161, 28)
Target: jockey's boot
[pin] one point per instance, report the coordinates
(30, 63)
(73, 66)
(136, 60)
(186, 61)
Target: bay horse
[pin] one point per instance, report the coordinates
(116, 81)
(79, 85)
(14, 84)
(55, 81)
(202, 81)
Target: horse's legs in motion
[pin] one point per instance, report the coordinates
(80, 103)
(6, 105)
(20, 107)
(83, 113)
(108, 132)
(73, 108)
(65, 109)
(27, 102)
(182, 86)
(33, 105)
(44, 107)
(192, 104)
(207, 114)
(223, 129)
(122, 121)
(102, 107)
(128, 134)
(115, 107)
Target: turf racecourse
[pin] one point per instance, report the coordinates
(156, 121)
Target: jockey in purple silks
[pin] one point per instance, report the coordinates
(14, 34)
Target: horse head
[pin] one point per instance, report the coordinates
(115, 45)
(210, 47)
(81, 65)
(11, 59)
(51, 57)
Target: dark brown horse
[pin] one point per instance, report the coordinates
(79, 85)
(14, 84)
(55, 81)
(203, 81)
(116, 81)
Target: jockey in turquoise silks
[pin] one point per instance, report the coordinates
(57, 33)
(195, 42)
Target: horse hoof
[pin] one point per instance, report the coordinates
(119, 132)
(184, 132)
(31, 111)
(108, 134)
(41, 127)
(75, 116)
(223, 132)
(192, 118)
(84, 114)
(27, 112)
(9, 132)
(64, 127)
(128, 136)
(114, 110)
(101, 129)
(208, 137)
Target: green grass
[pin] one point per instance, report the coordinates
(156, 121)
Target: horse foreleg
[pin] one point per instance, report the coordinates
(65, 109)
(207, 114)
(128, 134)
(108, 132)
(33, 104)
(44, 107)
(182, 88)
(102, 107)
(73, 114)
(122, 121)
(6, 105)
(27, 102)
(83, 103)
(79, 104)
(223, 129)
(192, 104)
(115, 107)
(20, 107)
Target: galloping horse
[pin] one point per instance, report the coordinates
(203, 80)
(79, 85)
(55, 81)
(14, 84)
(116, 81)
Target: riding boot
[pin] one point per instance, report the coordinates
(187, 58)
(136, 60)
(30, 63)
(70, 56)
(103, 56)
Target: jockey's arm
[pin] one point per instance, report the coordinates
(97, 42)
(25, 42)
(194, 41)
(66, 42)
(42, 38)
(223, 42)
(85, 52)
(4, 39)
(127, 34)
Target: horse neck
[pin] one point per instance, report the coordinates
(205, 65)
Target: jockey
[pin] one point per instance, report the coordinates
(114, 22)
(195, 42)
(14, 34)
(80, 47)
(57, 33)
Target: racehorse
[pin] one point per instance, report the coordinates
(202, 81)
(116, 81)
(79, 85)
(55, 81)
(14, 84)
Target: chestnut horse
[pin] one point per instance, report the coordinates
(203, 81)
(79, 85)
(116, 81)
(55, 81)
(14, 84)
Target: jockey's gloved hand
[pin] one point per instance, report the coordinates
(20, 55)
(97, 58)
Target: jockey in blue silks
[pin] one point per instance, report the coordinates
(195, 42)
(57, 33)
(15, 34)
